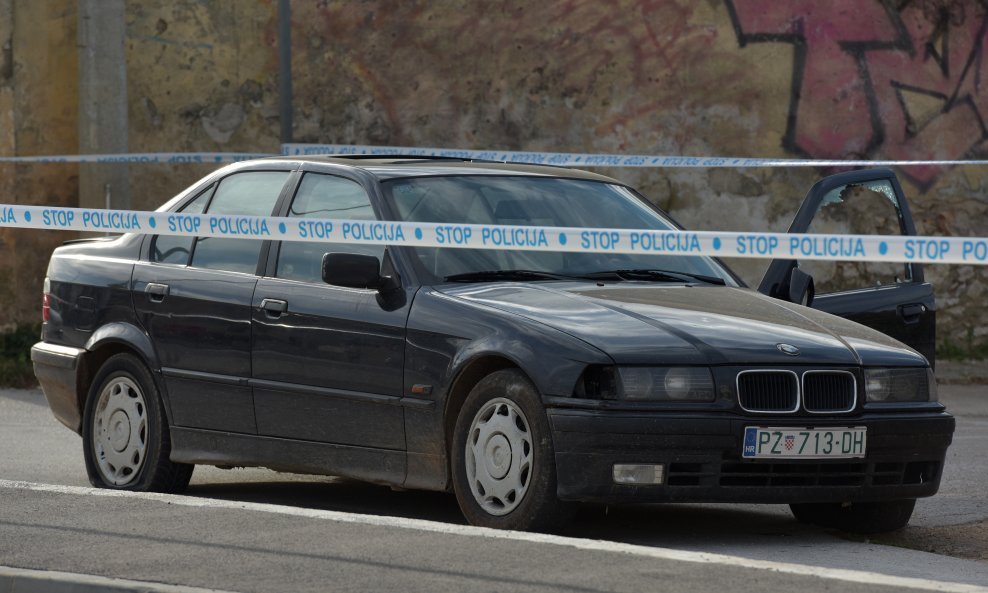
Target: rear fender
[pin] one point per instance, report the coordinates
(115, 337)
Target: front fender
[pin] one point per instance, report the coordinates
(550, 361)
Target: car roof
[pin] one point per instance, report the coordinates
(398, 166)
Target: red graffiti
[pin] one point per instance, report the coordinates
(878, 79)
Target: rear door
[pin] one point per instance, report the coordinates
(193, 296)
(893, 298)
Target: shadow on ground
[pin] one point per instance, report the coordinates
(677, 525)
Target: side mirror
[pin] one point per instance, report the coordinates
(801, 289)
(352, 270)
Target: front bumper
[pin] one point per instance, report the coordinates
(702, 458)
(56, 368)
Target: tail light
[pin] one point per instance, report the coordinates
(46, 301)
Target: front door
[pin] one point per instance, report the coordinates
(890, 297)
(327, 360)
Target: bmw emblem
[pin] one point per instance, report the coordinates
(788, 349)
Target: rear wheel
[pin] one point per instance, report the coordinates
(504, 470)
(857, 517)
(125, 433)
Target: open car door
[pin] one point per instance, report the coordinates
(890, 297)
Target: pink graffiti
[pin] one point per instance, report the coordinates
(873, 80)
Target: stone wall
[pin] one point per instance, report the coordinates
(38, 115)
(838, 79)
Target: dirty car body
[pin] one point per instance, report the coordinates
(522, 380)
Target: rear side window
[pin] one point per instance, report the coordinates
(253, 193)
(171, 249)
(323, 196)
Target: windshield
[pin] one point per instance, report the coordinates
(533, 201)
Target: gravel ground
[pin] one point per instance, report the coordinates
(968, 541)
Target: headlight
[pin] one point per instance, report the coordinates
(679, 384)
(666, 384)
(900, 385)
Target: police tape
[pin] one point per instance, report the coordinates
(561, 159)
(177, 158)
(580, 159)
(885, 248)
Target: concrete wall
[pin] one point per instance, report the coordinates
(838, 79)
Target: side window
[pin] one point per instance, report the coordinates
(869, 208)
(252, 193)
(323, 196)
(171, 249)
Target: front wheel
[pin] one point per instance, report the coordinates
(125, 432)
(857, 517)
(503, 464)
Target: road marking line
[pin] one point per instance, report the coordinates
(835, 574)
(26, 579)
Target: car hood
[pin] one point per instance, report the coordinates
(645, 323)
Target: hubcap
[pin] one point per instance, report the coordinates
(120, 431)
(499, 456)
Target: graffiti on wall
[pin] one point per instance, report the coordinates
(894, 79)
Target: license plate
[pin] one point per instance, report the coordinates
(804, 443)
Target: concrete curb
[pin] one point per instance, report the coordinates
(24, 580)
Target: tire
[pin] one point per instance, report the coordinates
(856, 517)
(507, 477)
(125, 433)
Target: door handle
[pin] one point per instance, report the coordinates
(156, 292)
(912, 312)
(274, 307)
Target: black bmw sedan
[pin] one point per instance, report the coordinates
(524, 381)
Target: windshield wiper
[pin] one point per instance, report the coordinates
(656, 276)
(520, 275)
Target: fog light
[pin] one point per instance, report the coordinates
(638, 474)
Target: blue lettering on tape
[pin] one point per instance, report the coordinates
(7, 216)
(237, 226)
(927, 249)
(57, 218)
(665, 242)
(187, 158)
(450, 235)
(313, 229)
(184, 223)
(373, 231)
(600, 240)
(826, 246)
(754, 244)
(974, 249)
(110, 220)
(514, 237)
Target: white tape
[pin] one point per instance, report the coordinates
(580, 159)
(889, 248)
(208, 158)
(562, 159)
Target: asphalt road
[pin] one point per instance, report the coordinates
(257, 530)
